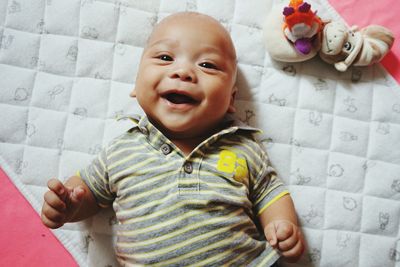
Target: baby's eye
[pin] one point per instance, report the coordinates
(208, 65)
(165, 58)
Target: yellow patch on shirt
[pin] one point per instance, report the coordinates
(230, 163)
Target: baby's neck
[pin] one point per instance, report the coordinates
(187, 145)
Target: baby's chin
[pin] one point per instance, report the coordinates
(178, 129)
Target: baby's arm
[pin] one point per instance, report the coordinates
(279, 222)
(69, 202)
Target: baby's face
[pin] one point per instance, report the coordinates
(186, 77)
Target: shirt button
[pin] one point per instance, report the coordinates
(144, 130)
(166, 149)
(188, 167)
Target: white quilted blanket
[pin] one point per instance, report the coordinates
(67, 67)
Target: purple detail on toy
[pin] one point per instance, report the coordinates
(303, 45)
(305, 7)
(288, 10)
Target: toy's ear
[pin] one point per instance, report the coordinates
(276, 42)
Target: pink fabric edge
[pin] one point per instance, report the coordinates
(24, 240)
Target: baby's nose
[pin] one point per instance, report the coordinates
(184, 72)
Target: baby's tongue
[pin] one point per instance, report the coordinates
(179, 98)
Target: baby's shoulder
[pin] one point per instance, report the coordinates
(247, 137)
(124, 140)
(246, 141)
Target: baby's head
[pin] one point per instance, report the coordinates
(186, 78)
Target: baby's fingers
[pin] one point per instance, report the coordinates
(52, 214)
(288, 243)
(49, 223)
(294, 254)
(284, 230)
(57, 187)
(270, 234)
(54, 201)
(51, 217)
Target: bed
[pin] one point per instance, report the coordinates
(66, 70)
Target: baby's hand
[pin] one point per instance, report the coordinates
(287, 238)
(60, 203)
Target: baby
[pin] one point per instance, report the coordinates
(189, 184)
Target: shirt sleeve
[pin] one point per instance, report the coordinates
(95, 175)
(267, 187)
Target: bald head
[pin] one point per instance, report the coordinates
(199, 22)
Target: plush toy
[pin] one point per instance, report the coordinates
(293, 32)
(301, 25)
(343, 47)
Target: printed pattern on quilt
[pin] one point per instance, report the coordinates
(66, 71)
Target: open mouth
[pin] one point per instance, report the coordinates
(177, 98)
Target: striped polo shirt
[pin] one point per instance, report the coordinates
(186, 210)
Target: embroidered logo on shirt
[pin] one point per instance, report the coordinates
(229, 162)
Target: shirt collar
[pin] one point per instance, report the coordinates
(233, 122)
(157, 139)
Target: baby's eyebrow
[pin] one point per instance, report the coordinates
(220, 50)
(169, 42)
(212, 49)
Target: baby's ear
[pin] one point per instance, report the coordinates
(133, 93)
(232, 108)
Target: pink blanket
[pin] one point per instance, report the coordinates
(24, 241)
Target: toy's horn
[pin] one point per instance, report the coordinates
(295, 3)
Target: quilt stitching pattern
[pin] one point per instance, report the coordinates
(67, 68)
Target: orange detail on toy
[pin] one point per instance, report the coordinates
(297, 18)
(300, 16)
(301, 25)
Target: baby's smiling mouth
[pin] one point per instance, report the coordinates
(179, 98)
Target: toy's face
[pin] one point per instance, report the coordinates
(334, 38)
(339, 43)
(185, 82)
